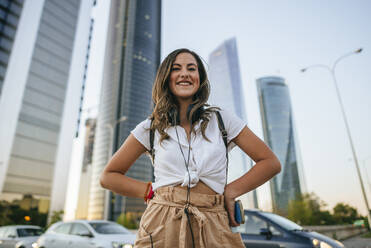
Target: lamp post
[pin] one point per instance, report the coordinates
(111, 128)
(332, 72)
(365, 166)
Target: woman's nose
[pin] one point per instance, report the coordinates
(184, 73)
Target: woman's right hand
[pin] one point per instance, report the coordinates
(229, 200)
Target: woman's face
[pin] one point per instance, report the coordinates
(184, 77)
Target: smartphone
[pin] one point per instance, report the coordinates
(238, 212)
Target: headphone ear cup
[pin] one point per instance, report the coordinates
(196, 115)
(173, 117)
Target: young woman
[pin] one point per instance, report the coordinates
(192, 205)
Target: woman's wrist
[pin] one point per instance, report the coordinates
(230, 191)
(149, 192)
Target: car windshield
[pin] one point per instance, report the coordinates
(108, 228)
(285, 223)
(26, 232)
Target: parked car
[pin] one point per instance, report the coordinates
(264, 229)
(19, 236)
(86, 234)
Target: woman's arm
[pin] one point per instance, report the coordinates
(113, 176)
(267, 165)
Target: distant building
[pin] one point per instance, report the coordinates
(85, 72)
(131, 61)
(10, 12)
(85, 178)
(227, 93)
(278, 128)
(42, 57)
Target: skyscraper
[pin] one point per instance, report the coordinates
(131, 62)
(43, 53)
(85, 178)
(278, 128)
(227, 93)
(10, 12)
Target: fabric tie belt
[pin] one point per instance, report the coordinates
(197, 212)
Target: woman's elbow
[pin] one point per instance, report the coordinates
(103, 180)
(276, 165)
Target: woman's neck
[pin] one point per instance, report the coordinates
(183, 108)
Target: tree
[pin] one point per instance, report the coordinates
(307, 209)
(13, 214)
(5, 212)
(129, 220)
(345, 214)
(56, 216)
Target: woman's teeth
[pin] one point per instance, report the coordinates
(184, 83)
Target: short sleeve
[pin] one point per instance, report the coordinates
(141, 133)
(233, 125)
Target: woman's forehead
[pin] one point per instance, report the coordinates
(185, 58)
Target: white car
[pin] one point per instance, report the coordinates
(86, 234)
(19, 236)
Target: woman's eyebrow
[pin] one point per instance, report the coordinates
(190, 64)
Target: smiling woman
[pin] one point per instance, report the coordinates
(189, 204)
(184, 78)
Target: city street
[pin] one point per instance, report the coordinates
(357, 242)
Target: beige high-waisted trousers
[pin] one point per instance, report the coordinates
(165, 222)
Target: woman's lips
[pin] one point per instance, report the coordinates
(184, 83)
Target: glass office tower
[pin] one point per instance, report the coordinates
(85, 178)
(227, 93)
(43, 49)
(277, 119)
(10, 11)
(131, 62)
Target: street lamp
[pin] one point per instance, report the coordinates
(332, 72)
(111, 127)
(365, 166)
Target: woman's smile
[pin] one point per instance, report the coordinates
(184, 83)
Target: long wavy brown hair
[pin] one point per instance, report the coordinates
(165, 102)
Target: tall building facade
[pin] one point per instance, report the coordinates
(131, 61)
(10, 12)
(278, 128)
(85, 178)
(227, 93)
(43, 49)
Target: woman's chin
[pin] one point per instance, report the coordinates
(185, 98)
(184, 95)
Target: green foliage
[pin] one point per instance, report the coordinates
(308, 209)
(129, 220)
(366, 222)
(56, 216)
(5, 212)
(11, 214)
(345, 214)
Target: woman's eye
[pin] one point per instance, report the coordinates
(192, 69)
(174, 69)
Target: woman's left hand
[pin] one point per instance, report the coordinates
(229, 205)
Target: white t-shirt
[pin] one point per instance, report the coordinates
(207, 160)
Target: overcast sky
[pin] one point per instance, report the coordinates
(279, 38)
